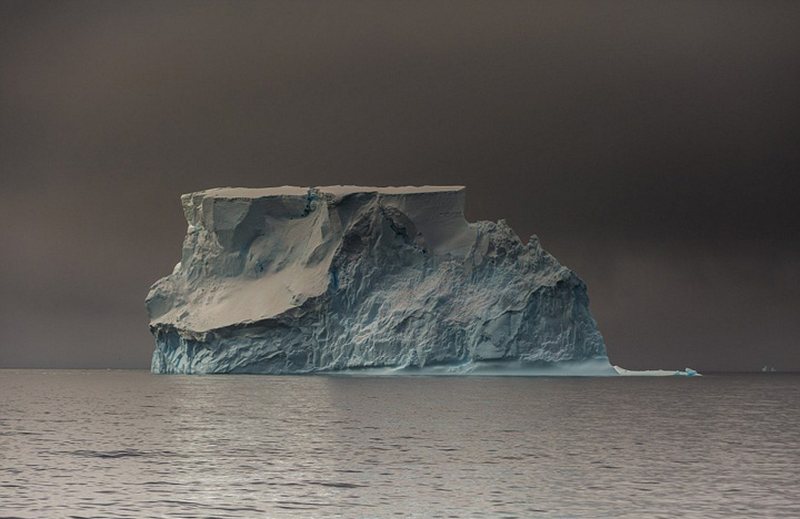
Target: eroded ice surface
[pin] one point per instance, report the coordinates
(298, 280)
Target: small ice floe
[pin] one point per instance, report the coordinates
(687, 372)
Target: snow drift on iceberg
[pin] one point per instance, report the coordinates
(300, 280)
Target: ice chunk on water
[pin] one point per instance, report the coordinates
(299, 280)
(688, 372)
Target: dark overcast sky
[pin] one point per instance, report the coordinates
(653, 146)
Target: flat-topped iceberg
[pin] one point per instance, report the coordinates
(344, 278)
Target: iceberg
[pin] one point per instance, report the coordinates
(346, 278)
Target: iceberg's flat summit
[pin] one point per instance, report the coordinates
(296, 279)
(336, 191)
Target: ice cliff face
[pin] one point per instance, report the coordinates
(298, 280)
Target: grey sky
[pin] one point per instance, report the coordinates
(653, 146)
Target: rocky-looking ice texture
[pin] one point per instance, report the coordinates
(299, 280)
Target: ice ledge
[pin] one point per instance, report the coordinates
(687, 372)
(596, 367)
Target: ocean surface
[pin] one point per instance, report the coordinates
(131, 444)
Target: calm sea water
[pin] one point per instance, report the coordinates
(132, 444)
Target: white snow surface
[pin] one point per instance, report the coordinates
(343, 278)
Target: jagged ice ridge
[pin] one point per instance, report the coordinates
(301, 280)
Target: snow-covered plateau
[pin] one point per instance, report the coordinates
(363, 279)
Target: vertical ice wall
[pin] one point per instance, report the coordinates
(296, 280)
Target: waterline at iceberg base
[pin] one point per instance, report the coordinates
(364, 279)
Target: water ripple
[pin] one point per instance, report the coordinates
(133, 445)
